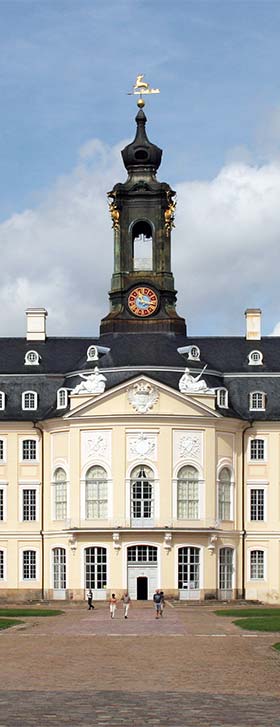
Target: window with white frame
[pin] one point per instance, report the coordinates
(194, 353)
(257, 504)
(257, 401)
(222, 398)
(1, 504)
(31, 358)
(2, 400)
(2, 450)
(29, 502)
(96, 493)
(225, 569)
(95, 568)
(29, 564)
(62, 398)
(188, 568)
(142, 493)
(92, 353)
(2, 572)
(188, 493)
(29, 450)
(29, 400)
(255, 358)
(224, 494)
(142, 554)
(60, 494)
(59, 568)
(257, 450)
(257, 564)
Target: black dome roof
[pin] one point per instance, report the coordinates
(141, 153)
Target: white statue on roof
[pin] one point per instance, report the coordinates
(189, 384)
(92, 383)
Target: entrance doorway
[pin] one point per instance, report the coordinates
(142, 588)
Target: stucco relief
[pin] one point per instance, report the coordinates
(96, 444)
(187, 445)
(141, 445)
(142, 396)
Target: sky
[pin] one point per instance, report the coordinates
(66, 67)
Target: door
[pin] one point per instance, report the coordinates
(225, 574)
(96, 571)
(59, 573)
(189, 573)
(142, 588)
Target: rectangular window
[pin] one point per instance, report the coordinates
(188, 500)
(257, 565)
(29, 505)
(96, 500)
(257, 449)
(60, 507)
(1, 450)
(224, 501)
(29, 564)
(29, 449)
(257, 504)
(1, 564)
(1, 504)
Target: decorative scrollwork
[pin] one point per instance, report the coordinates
(169, 213)
(114, 210)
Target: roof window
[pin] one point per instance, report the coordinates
(32, 358)
(92, 353)
(257, 401)
(255, 358)
(222, 398)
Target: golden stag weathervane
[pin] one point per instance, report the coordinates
(140, 88)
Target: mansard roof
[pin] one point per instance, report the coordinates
(132, 354)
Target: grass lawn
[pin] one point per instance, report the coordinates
(276, 646)
(6, 623)
(254, 619)
(29, 612)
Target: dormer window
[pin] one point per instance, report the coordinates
(29, 400)
(62, 399)
(2, 401)
(257, 401)
(92, 353)
(222, 398)
(31, 358)
(255, 358)
(194, 354)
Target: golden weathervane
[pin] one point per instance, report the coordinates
(141, 88)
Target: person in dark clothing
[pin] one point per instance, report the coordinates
(89, 600)
(157, 602)
(162, 602)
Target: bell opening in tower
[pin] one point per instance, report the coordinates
(142, 246)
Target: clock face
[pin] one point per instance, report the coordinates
(142, 301)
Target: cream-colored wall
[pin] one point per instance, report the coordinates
(174, 425)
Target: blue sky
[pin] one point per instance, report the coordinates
(66, 68)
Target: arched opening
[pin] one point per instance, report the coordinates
(142, 246)
(142, 571)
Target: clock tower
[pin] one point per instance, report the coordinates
(142, 295)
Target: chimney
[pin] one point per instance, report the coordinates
(253, 324)
(36, 324)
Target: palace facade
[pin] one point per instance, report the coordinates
(140, 458)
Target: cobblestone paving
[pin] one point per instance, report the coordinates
(189, 669)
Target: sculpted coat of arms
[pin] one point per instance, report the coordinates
(142, 397)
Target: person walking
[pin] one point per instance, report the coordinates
(113, 605)
(89, 600)
(157, 602)
(162, 602)
(126, 603)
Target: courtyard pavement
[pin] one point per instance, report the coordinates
(188, 669)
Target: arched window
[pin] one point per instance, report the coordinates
(188, 493)
(225, 569)
(96, 493)
(141, 488)
(257, 401)
(60, 494)
(188, 568)
(95, 568)
(257, 564)
(31, 358)
(142, 246)
(224, 494)
(62, 398)
(255, 358)
(59, 569)
(142, 554)
(29, 400)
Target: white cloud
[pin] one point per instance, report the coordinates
(225, 249)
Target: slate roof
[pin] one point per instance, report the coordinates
(130, 355)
